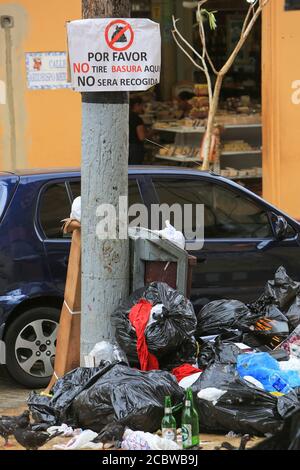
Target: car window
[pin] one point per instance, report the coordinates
(54, 207)
(227, 213)
(3, 197)
(134, 196)
(75, 188)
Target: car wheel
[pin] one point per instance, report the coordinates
(30, 346)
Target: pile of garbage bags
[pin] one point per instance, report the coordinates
(242, 362)
(91, 398)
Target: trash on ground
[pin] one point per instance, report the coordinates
(267, 371)
(106, 352)
(91, 398)
(287, 438)
(169, 331)
(243, 408)
(80, 441)
(138, 440)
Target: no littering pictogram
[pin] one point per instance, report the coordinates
(119, 35)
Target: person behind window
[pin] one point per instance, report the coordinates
(137, 132)
(183, 103)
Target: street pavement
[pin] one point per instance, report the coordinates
(12, 395)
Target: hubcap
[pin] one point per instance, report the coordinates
(35, 348)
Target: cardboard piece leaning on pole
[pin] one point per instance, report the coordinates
(68, 338)
(108, 54)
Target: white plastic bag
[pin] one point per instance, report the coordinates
(81, 441)
(173, 235)
(105, 351)
(139, 440)
(76, 209)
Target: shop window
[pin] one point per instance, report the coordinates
(227, 213)
(54, 207)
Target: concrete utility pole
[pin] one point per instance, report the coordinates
(105, 263)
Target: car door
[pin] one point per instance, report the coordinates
(240, 251)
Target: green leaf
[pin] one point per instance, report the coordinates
(211, 18)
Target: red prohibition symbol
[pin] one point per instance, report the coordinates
(116, 40)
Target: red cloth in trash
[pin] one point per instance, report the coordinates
(139, 317)
(184, 371)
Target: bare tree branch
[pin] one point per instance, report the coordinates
(185, 52)
(250, 10)
(176, 30)
(203, 68)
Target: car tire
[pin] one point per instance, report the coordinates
(30, 346)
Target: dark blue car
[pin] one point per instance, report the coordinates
(246, 240)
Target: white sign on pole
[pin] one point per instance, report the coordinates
(46, 70)
(114, 54)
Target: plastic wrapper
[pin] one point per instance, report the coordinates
(107, 352)
(91, 398)
(243, 408)
(292, 343)
(164, 336)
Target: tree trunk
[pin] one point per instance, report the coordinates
(105, 8)
(105, 263)
(206, 146)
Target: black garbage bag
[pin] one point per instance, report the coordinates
(56, 410)
(175, 326)
(219, 316)
(293, 313)
(128, 396)
(282, 289)
(186, 354)
(262, 320)
(93, 398)
(287, 438)
(243, 408)
(220, 351)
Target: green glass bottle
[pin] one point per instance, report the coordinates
(189, 422)
(168, 424)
